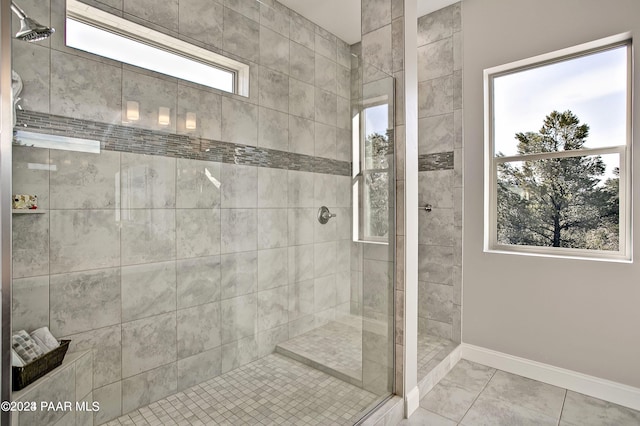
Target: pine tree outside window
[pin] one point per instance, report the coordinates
(558, 153)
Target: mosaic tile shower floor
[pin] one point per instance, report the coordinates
(335, 348)
(274, 390)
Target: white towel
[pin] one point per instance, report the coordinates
(16, 361)
(45, 339)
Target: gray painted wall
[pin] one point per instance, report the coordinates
(575, 314)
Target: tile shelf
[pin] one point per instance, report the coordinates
(27, 211)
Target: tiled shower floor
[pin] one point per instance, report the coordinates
(335, 348)
(274, 390)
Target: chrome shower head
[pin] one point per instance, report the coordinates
(30, 30)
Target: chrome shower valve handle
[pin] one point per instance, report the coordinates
(324, 215)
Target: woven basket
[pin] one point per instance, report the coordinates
(24, 376)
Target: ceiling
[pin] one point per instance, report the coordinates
(342, 17)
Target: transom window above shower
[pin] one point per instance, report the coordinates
(100, 33)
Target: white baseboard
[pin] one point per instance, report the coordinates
(606, 390)
(411, 402)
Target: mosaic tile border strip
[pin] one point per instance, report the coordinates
(114, 137)
(438, 161)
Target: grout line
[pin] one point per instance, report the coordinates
(564, 400)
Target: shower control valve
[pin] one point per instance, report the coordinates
(324, 215)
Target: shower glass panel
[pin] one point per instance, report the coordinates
(186, 254)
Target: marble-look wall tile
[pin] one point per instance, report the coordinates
(84, 301)
(239, 122)
(267, 340)
(151, 93)
(201, 20)
(148, 387)
(239, 317)
(301, 258)
(435, 264)
(60, 387)
(301, 99)
(198, 368)
(301, 135)
(301, 299)
(377, 278)
(272, 188)
(198, 329)
(343, 82)
(326, 107)
(436, 188)
(27, 179)
(301, 30)
(147, 181)
(94, 93)
(272, 268)
(435, 59)
(299, 189)
(377, 48)
(397, 45)
(272, 308)
(148, 236)
(275, 18)
(324, 259)
(110, 399)
(272, 228)
(247, 8)
(83, 239)
(241, 35)
(198, 281)
(273, 129)
(435, 26)
(84, 181)
(375, 15)
(197, 232)
(325, 189)
(324, 293)
(435, 97)
(343, 120)
(207, 107)
(30, 303)
(274, 50)
(436, 134)
(198, 184)
(148, 290)
(437, 228)
(239, 353)
(274, 88)
(148, 343)
(301, 226)
(343, 54)
(239, 274)
(84, 376)
(325, 73)
(239, 186)
(325, 141)
(302, 63)
(239, 230)
(457, 51)
(325, 45)
(32, 63)
(165, 14)
(106, 350)
(30, 255)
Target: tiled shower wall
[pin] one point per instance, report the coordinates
(440, 172)
(175, 269)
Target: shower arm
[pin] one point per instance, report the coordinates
(16, 9)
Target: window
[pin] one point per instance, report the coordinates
(110, 36)
(373, 175)
(558, 153)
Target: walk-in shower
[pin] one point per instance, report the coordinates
(215, 257)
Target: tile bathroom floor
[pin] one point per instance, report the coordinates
(431, 350)
(273, 390)
(473, 394)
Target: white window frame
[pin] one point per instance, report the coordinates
(491, 163)
(91, 16)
